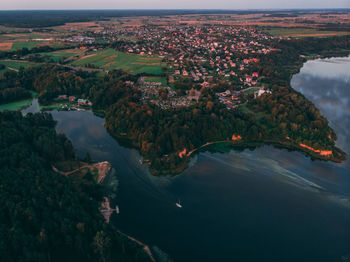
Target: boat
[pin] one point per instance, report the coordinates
(140, 161)
(178, 204)
(117, 209)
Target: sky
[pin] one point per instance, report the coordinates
(170, 4)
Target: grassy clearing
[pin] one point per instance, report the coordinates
(245, 109)
(15, 106)
(302, 32)
(53, 106)
(26, 44)
(14, 36)
(110, 59)
(15, 65)
(160, 79)
(18, 105)
(250, 91)
(58, 55)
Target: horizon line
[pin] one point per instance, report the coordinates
(186, 9)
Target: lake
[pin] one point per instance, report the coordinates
(263, 205)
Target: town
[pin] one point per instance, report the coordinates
(202, 54)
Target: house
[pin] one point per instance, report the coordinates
(260, 92)
(82, 101)
(205, 84)
(72, 98)
(62, 97)
(225, 93)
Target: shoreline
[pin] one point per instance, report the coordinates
(245, 145)
(284, 144)
(337, 155)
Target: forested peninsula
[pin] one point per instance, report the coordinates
(167, 138)
(44, 215)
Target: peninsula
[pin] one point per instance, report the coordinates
(175, 90)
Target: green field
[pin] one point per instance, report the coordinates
(302, 32)
(246, 110)
(254, 89)
(110, 59)
(14, 106)
(56, 56)
(13, 36)
(53, 106)
(27, 44)
(15, 64)
(156, 79)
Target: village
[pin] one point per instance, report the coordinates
(68, 103)
(224, 58)
(203, 54)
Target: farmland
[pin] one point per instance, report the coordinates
(25, 44)
(27, 36)
(5, 46)
(302, 32)
(58, 55)
(14, 65)
(110, 59)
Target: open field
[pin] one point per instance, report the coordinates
(5, 46)
(283, 19)
(251, 90)
(25, 44)
(14, 65)
(110, 59)
(79, 26)
(25, 36)
(18, 105)
(302, 32)
(57, 55)
(246, 110)
(156, 79)
(14, 106)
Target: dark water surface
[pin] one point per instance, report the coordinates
(263, 205)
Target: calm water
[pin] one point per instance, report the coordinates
(262, 205)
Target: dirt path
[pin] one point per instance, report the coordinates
(145, 247)
(102, 167)
(206, 144)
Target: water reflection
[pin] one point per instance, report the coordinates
(327, 83)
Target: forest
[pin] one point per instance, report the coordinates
(49, 18)
(46, 216)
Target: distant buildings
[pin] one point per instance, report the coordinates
(74, 100)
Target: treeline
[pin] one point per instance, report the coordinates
(286, 113)
(45, 216)
(25, 51)
(48, 81)
(279, 66)
(321, 46)
(10, 89)
(48, 18)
